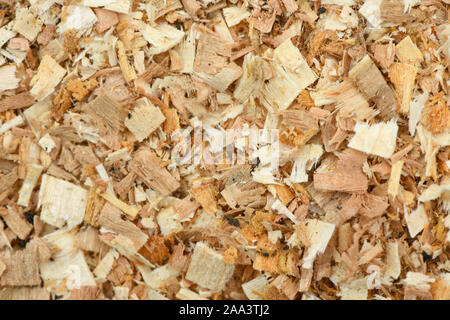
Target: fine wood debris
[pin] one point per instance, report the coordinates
(353, 203)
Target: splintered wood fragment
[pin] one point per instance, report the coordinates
(186, 208)
(49, 74)
(344, 175)
(130, 210)
(282, 209)
(88, 239)
(416, 220)
(403, 77)
(109, 110)
(292, 75)
(384, 54)
(369, 252)
(393, 265)
(255, 288)
(16, 121)
(356, 290)
(106, 19)
(262, 20)
(33, 173)
(233, 195)
(155, 70)
(394, 179)
(93, 206)
(349, 100)
(162, 37)
(22, 267)
(415, 111)
(223, 79)
(234, 15)
(6, 183)
(127, 69)
(305, 279)
(68, 268)
(16, 222)
(169, 221)
(110, 219)
(371, 82)
(256, 71)
(319, 234)
(407, 51)
(212, 52)
(149, 168)
(378, 139)
(76, 18)
(27, 23)
(18, 101)
(62, 202)
(144, 119)
(290, 5)
(344, 237)
(204, 194)
(8, 78)
(208, 269)
(392, 12)
(191, 6)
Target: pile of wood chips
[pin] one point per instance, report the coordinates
(93, 205)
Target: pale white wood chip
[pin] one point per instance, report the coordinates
(356, 290)
(394, 179)
(208, 269)
(393, 265)
(162, 37)
(418, 280)
(233, 15)
(33, 173)
(157, 278)
(378, 139)
(144, 119)
(319, 234)
(282, 209)
(14, 122)
(27, 24)
(47, 143)
(69, 269)
(415, 110)
(49, 74)
(78, 18)
(407, 51)
(105, 265)
(254, 289)
(168, 221)
(8, 79)
(292, 75)
(416, 221)
(62, 202)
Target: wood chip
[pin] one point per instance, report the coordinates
(144, 119)
(208, 269)
(62, 202)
